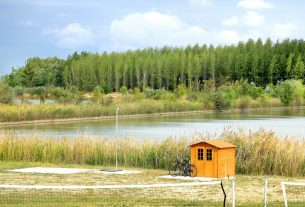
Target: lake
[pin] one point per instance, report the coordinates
(285, 122)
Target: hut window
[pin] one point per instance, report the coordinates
(209, 154)
(200, 154)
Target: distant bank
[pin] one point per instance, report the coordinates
(127, 116)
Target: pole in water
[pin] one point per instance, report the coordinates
(116, 137)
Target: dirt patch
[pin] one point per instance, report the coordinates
(51, 170)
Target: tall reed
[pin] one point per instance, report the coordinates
(260, 152)
(11, 113)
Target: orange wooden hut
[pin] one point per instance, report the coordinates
(213, 158)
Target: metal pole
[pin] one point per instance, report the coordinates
(284, 194)
(265, 192)
(116, 137)
(233, 192)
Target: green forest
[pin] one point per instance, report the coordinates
(254, 74)
(258, 62)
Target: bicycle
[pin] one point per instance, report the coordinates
(183, 168)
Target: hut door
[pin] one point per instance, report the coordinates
(200, 161)
(209, 162)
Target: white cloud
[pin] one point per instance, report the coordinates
(201, 2)
(232, 21)
(228, 36)
(253, 19)
(72, 36)
(154, 29)
(284, 30)
(254, 4)
(27, 23)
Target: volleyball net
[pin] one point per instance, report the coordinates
(166, 194)
(294, 194)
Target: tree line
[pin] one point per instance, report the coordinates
(259, 62)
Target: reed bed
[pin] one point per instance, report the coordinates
(27, 112)
(260, 152)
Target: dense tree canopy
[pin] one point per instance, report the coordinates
(256, 61)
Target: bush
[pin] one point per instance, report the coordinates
(221, 100)
(255, 91)
(59, 93)
(74, 90)
(97, 95)
(181, 90)
(153, 94)
(19, 91)
(168, 96)
(41, 92)
(6, 94)
(288, 90)
(106, 89)
(124, 90)
(192, 96)
(271, 90)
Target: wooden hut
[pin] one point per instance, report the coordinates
(213, 158)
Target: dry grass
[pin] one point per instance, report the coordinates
(249, 189)
(261, 152)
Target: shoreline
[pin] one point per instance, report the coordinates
(70, 120)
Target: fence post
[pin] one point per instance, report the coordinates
(284, 194)
(265, 192)
(233, 192)
(224, 193)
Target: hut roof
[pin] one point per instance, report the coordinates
(216, 143)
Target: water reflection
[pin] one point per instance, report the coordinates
(285, 122)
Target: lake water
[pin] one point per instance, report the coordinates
(285, 122)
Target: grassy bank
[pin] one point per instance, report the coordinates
(237, 95)
(12, 113)
(259, 152)
(44, 112)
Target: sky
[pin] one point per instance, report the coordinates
(48, 28)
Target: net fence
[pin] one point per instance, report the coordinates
(294, 194)
(169, 194)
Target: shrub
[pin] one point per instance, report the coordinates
(59, 93)
(74, 90)
(255, 91)
(6, 94)
(221, 100)
(41, 92)
(97, 95)
(124, 90)
(19, 91)
(181, 90)
(287, 92)
(106, 88)
(153, 94)
(167, 96)
(192, 96)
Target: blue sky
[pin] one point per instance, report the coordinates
(46, 28)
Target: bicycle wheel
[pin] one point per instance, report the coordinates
(193, 171)
(174, 170)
